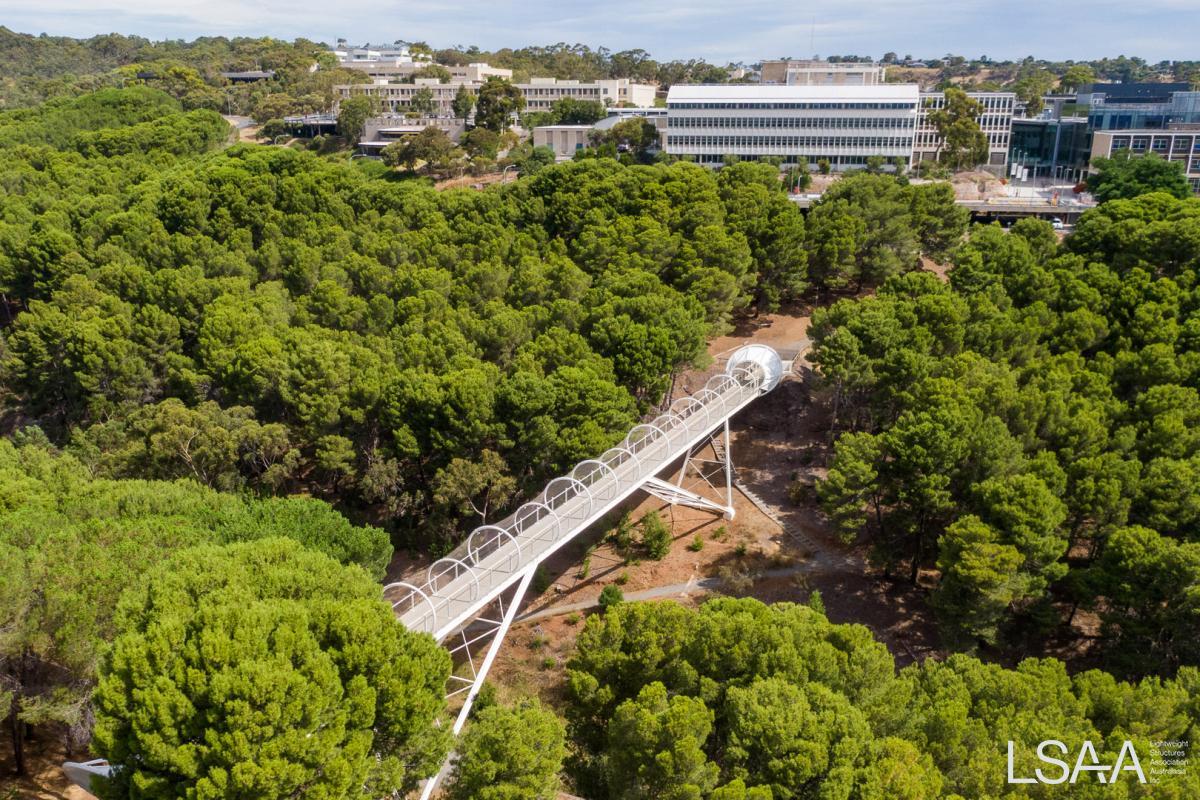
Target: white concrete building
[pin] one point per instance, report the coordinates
(844, 124)
(542, 93)
(396, 98)
(395, 53)
(564, 140)
(995, 121)
(379, 132)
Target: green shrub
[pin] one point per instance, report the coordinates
(656, 536)
(611, 595)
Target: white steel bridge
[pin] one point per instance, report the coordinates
(458, 591)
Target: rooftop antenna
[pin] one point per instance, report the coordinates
(812, 38)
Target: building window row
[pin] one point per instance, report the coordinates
(880, 142)
(835, 159)
(792, 122)
(804, 106)
(1159, 144)
(990, 104)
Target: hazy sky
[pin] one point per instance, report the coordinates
(717, 30)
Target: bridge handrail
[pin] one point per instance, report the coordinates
(478, 570)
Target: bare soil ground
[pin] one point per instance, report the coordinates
(46, 780)
(787, 552)
(979, 185)
(471, 181)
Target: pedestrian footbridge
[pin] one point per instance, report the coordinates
(464, 592)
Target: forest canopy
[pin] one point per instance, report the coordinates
(1030, 429)
(311, 326)
(744, 701)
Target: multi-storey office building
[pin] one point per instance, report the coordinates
(1181, 145)
(1052, 148)
(995, 121)
(844, 124)
(822, 73)
(1130, 106)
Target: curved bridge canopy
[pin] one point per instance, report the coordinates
(497, 556)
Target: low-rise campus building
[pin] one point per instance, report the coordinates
(540, 93)
(564, 140)
(401, 71)
(396, 98)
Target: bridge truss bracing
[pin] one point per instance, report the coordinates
(472, 594)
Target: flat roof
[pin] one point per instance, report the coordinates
(1133, 92)
(743, 93)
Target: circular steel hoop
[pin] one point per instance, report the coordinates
(645, 426)
(430, 578)
(719, 383)
(626, 451)
(432, 618)
(580, 487)
(598, 466)
(473, 548)
(518, 519)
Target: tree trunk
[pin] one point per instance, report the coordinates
(1071, 616)
(18, 738)
(916, 562)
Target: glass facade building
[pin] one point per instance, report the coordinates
(1052, 148)
(1147, 106)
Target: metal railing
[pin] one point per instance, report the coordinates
(495, 556)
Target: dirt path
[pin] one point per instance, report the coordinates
(694, 585)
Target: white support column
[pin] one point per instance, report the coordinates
(481, 674)
(687, 459)
(728, 473)
(670, 493)
(675, 494)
